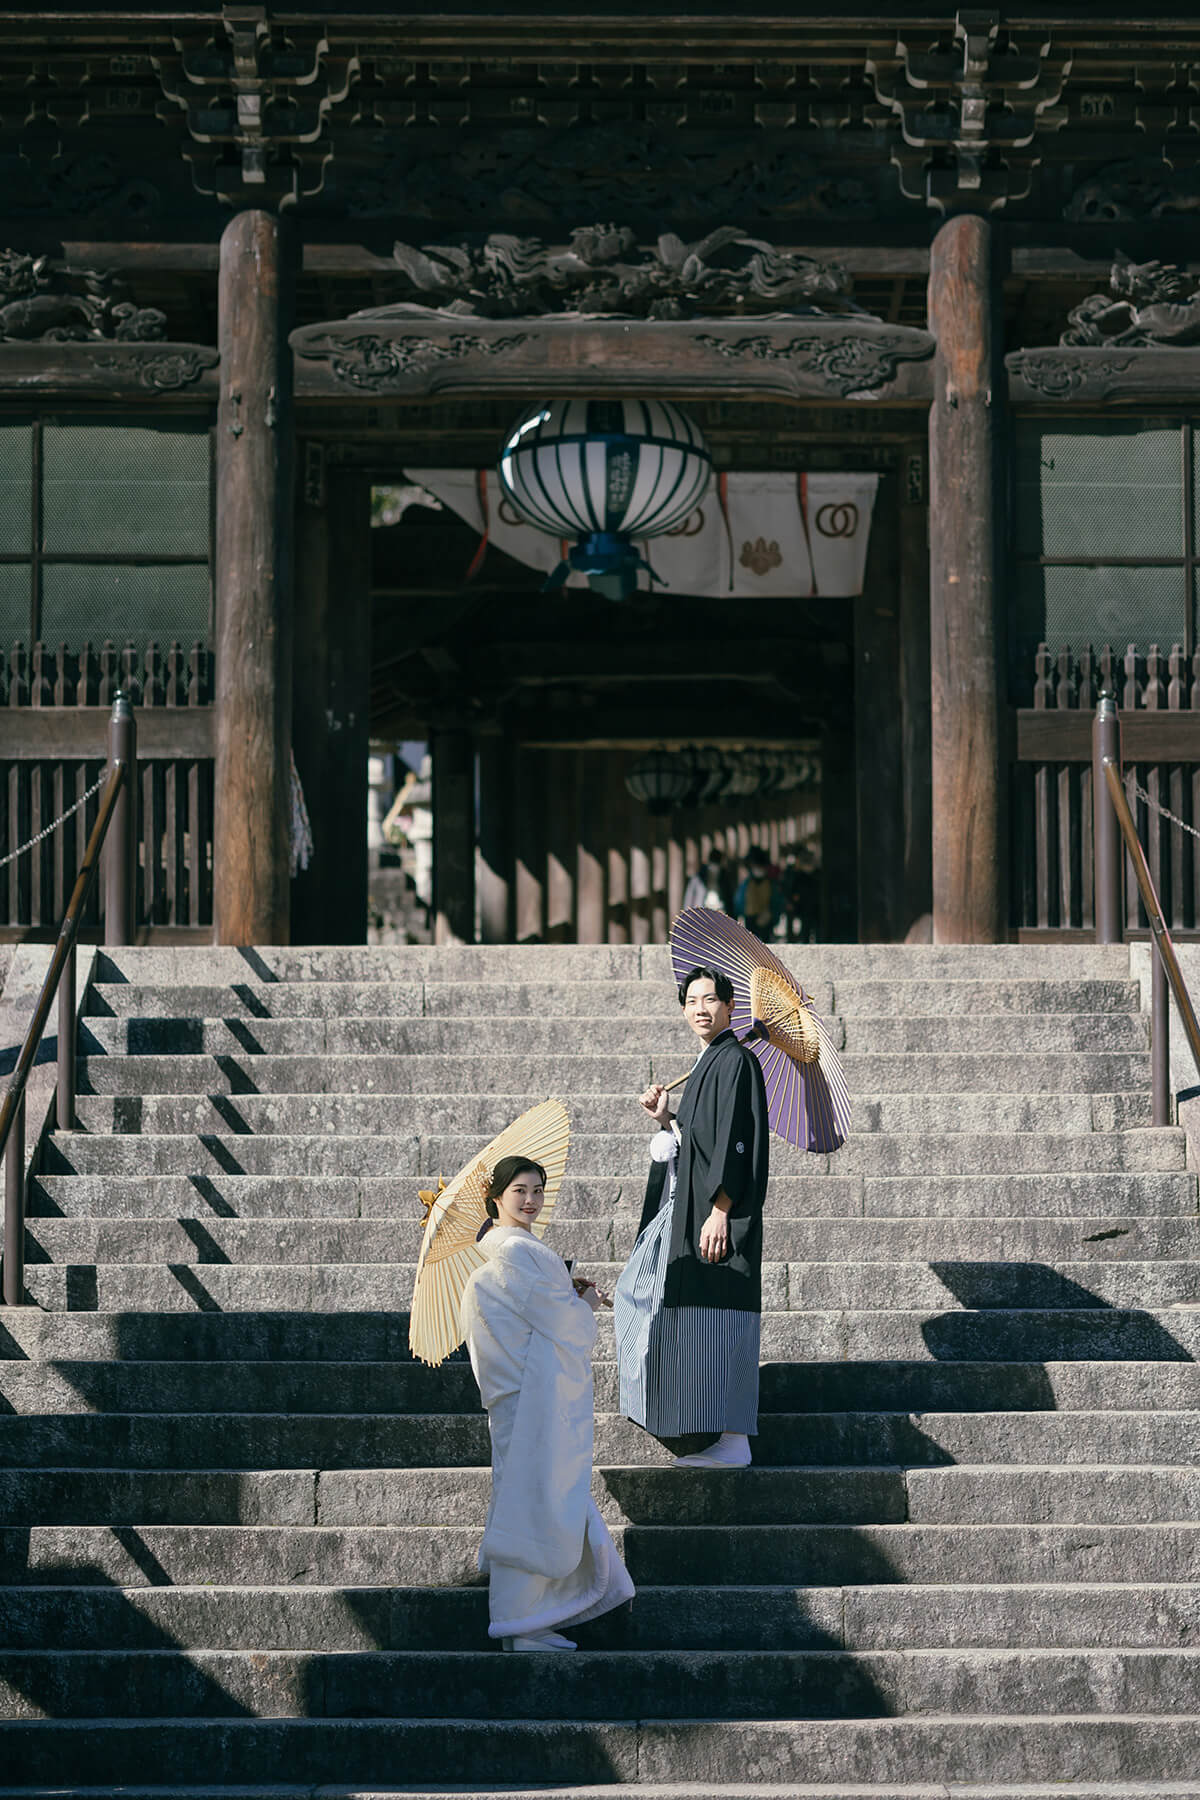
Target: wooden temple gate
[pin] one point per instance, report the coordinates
(228, 272)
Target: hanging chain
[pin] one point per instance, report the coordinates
(1154, 804)
(82, 801)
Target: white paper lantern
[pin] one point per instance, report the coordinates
(603, 472)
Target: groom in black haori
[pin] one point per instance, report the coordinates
(688, 1303)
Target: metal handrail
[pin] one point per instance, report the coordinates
(1164, 963)
(60, 979)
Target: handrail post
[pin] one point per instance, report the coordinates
(120, 853)
(1160, 1038)
(1106, 831)
(64, 1111)
(14, 1210)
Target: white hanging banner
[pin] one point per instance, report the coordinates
(767, 542)
(837, 511)
(777, 535)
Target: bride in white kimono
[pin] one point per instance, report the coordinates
(530, 1331)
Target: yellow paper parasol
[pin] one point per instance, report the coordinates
(454, 1212)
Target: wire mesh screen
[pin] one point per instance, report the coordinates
(16, 487)
(1098, 490)
(1061, 603)
(15, 603)
(82, 602)
(1106, 497)
(127, 490)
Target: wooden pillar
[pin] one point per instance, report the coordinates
(452, 750)
(917, 918)
(616, 821)
(331, 667)
(877, 734)
(251, 877)
(562, 843)
(660, 913)
(590, 870)
(496, 869)
(529, 834)
(839, 835)
(969, 862)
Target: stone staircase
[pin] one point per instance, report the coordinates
(238, 1524)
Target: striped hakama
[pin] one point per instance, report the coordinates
(683, 1368)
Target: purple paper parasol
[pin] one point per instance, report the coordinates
(807, 1101)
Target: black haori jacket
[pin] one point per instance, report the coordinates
(724, 1144)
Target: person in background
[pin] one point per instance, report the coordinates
(707, 887)
(800, 890)
(758, 903)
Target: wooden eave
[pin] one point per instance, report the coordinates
(842, 359)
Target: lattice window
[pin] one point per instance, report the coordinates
(105, 530)
(1104, 536)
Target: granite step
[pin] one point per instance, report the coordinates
(371, 1752)
(630, 1022)
(891, 1555)
(579, 1066)
(408, 1154)
(202, 1280)
(672, 1790)
(664, 1684)
(202, 1331)
(604, 1201)
(371, 996)
(601, 1100)
(393, 1387)
(1080, 1615)
(940, 964)
(950, 1495)
(209, 1238)
(861, 1439)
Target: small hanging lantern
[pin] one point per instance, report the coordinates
(660, 780)
(604, 472)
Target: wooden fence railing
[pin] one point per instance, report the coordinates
(1052, 848)
(54, 709)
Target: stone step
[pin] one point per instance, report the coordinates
(212, 1239)
(887, 1556)
(785, 1440)
(601, 1199)
(407, 1154)
(861, 1287)
(667, 1684)
(349, 1388)
(1083, 1615)
(616, 1017)
(1133, 1789)
(940, 1747)
(975, 1495)
(372, 997)
(941, 963)
(455, 1101)
(574, 1069)
(428, 1496)
(1075, 1333)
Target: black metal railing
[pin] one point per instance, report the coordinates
(1112, 822)
(117, 811)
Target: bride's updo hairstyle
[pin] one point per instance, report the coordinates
(506, 1171)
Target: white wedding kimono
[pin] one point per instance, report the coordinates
(546, 1550)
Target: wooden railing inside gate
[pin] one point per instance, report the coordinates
(1053, 851)
(54, 708)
